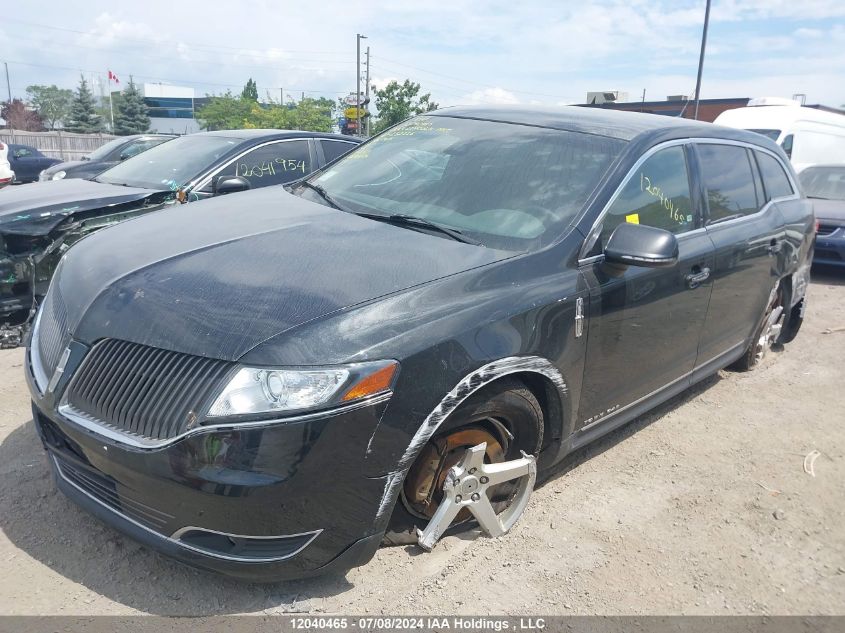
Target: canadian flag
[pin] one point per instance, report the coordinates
(113, 77)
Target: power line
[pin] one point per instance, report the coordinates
(169, 79)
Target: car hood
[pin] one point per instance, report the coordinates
(829, 210)
(219, 277)
(36, 209)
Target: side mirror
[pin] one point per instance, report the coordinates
(230, 184)
(640, 245)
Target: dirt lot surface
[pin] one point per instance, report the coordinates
(701, 507)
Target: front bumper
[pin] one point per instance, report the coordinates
(830, 248)
(267, 503)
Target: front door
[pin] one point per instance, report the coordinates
(645, 323)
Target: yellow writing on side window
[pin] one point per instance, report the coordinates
(634, 218)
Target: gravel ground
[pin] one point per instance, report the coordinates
(704, 508)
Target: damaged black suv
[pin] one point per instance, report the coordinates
(269, 385)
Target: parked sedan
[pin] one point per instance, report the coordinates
(268, 385)
(6, 173)
(104, 157)
(38, 224)
(27, 162)
(826, 185)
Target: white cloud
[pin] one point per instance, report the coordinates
(490, 96)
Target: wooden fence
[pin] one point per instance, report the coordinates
(57, 144)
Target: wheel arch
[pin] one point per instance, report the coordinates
(537, 373)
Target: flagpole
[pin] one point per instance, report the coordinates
(111, 109)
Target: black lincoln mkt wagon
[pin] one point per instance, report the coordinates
(270, 384)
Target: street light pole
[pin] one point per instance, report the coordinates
(701, 58)
(358, 82)
(367, 89)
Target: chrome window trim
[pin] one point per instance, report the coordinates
(173, 539)
(203, 180)
(98, 427)
(582, 260)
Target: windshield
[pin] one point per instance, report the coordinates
(513, 187)
(101, 152)
(772, 134)
(824, 182)
(170, 165)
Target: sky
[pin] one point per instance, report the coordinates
(461, 51)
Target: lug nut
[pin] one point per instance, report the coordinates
(458, 498)
(472, 471)
(475, 496)
(484, 480)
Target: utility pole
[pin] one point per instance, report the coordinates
(358, 82)
(642, 103)
(701, 58)
(367, 89)
(282, 96)
(8, 84)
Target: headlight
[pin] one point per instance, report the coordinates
(59, 175)
(255, 390)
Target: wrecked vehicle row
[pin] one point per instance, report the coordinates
(271, 385)
(38, 223)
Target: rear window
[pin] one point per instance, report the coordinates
(772, 134)
(827, 183)
(729, 180)
(775, 180)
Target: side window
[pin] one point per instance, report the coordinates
(775, 181)
(23, 152)
(273, 164)
(729, 180)
(137, 147)
(335, 149)
(657, 194)
(787, 145)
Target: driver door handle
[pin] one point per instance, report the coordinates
(694, 280)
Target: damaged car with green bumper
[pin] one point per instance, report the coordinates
(39, 222)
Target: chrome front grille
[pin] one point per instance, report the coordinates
(143, 391)
(53, 335)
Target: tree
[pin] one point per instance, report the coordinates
(224, 112)
(83, 115)
(51, 102)
(19, 117)
(131, 115)
(397, 102)
(250, 91)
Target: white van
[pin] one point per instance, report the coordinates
(807, 135)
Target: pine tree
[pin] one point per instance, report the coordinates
(131, 115)
(83, 116)
(250, 91)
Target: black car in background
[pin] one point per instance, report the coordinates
(104, 157)
(27, 162)
(265, 385)
(38, 224)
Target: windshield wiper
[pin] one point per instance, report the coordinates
(414, 221)
(325, 195)
(818, 197)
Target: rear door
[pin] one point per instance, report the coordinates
(748, 235)
(645, 323)
(25, 162)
